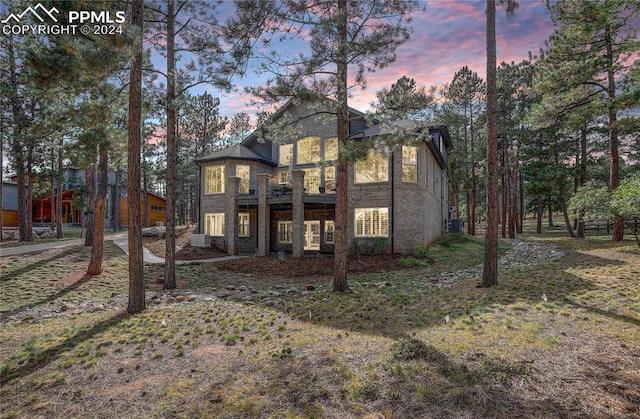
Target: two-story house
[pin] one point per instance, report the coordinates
(252, 193)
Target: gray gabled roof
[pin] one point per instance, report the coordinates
(279, 112)
(236, 152)
(385, 128)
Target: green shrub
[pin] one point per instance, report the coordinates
(411, 262)
(422, 252)
(363, 247)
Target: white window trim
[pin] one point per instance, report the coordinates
(413, 164)
(288, 228)
(372, 153)
(206, 180)
(244, 221)
(381, 211)
(311, 139)
(281, 149)
(244, 184)
(329, 228)
(218, 221)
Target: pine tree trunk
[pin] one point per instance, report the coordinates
(618, 230)
(490, 270)
(474, 176)
(539, 212)
(468, 209)
(515, 221)
(115, 203)
(95, 264)
(170, 219)
(22, 199)
(16, 143)
(59, 220)
(474, 191)
(567, 221)
(90, 214)
(136, 302)
(341, 248)
(582, 179)
(30, 193)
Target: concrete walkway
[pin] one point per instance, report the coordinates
(119, 239)
(19, 250)
(123, 243)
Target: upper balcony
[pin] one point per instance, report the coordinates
(281, 194)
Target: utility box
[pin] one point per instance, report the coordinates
(200, 240)
(455, 226)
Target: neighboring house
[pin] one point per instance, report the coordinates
(74, 181)
(9, 204)
(252, 192)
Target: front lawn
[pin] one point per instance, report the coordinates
(558, 337)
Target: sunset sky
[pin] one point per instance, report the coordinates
(448, 35)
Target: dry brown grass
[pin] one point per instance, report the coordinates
(247, 346)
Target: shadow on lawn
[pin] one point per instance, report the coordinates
(621, 317)
(53, 297)
(9, 274)
(39, 360)
(411, 303)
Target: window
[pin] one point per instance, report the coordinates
(331, 148)
(372, 222)
(308, 150)
(312, 180)
(242, 171)
(243, 224)
(409, 164)
(214, 224)
(284, 231)
(285, 154)
(329, 232)
(330, 178)
(214, 180)
(374, 169)
(283, 177)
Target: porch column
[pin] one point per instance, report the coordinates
(230, 214)
(297, 213)
(264, 219)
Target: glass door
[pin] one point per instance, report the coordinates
(312, 235)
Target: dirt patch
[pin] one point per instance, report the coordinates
(139, 384)
(308, 266)
(209, 350)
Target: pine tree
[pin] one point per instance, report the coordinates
(136, 262)
(466, 92)
(490, 270)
